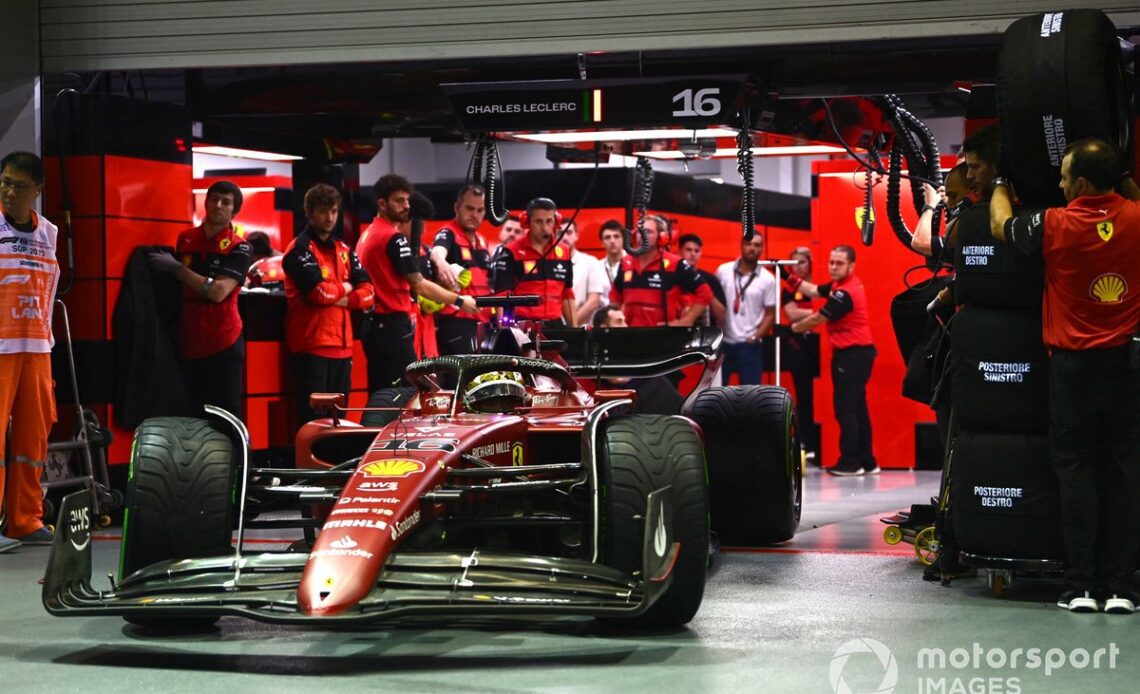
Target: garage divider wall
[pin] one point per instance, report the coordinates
(837, 199)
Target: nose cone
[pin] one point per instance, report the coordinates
(330, 586)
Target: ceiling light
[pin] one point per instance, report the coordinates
(244, 153)
(724, 152)
(611, 135)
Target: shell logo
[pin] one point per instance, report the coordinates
(393, 468)
(1109, 288)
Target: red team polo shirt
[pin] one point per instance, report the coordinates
(521, 269)
(206, 328)
(1091, 250)
(848, 322)
(653, 294)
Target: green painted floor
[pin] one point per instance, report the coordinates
(835, 610)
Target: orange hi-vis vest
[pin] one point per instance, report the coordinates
(29, 274)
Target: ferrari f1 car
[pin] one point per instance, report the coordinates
(515, 490)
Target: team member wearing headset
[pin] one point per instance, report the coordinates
(535, 264)
(649, 289)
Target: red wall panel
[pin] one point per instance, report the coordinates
(148, 189)
(881, 267)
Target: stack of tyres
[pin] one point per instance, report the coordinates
(1003, 494)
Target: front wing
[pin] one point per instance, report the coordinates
(264, 586)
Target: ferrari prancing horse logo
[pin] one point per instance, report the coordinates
(1104, 230)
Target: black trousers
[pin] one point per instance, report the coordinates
(313, 374)
(802, 355)
(455, 335)
(389, 341)
(1094, 446)
(850, 371)
(218, 379)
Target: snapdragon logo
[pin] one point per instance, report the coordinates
(875, 648)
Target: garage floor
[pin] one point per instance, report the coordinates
(836, 609)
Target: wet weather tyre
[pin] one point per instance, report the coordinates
(755, 467)
(180, 500)
(386, 397)
(638, 455)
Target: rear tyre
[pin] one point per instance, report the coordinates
(180, 500)
(636, 456)
(755, 468)
(386, 397)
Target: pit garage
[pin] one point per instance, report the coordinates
(579, 530)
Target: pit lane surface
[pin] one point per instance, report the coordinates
(771, 621)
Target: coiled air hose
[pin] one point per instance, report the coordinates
(642, 192)
(486, 170)
(744, 168)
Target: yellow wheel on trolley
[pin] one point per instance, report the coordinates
(926, 546)
(892, 535)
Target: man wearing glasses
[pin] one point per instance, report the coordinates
(749, 311)
(28, 278)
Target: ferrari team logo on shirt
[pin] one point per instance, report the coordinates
(558, 251)
(324, 273)
(628, 277)
(344, 256)
(528, 266)
(465, 253)
(1104, 230)
(224, 244)
(1108, 288)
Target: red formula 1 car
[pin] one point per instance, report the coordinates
(514, 491)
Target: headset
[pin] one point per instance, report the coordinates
(524, 217)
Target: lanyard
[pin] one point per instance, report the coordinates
(740, 289)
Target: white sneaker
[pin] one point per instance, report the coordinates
(1078, 601)
(1120, 603)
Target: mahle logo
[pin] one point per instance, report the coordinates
(857, 646)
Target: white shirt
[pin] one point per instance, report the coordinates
(589, 278)
(758, 296)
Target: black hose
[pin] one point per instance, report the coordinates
(744, 168)
(867, 228)
(642, 192)
(486, 170)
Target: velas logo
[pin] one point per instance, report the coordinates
(393, 468)
(887, 662)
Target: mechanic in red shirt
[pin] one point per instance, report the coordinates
(211, 263)
(852, 357)
(535, 264)
(388, 333)
(458, 243)
(651, 289)
(324, 280)
(1090, 321)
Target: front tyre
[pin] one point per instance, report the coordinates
(636, 456)
(180, 499)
